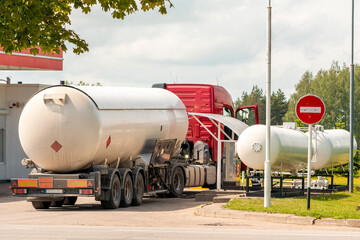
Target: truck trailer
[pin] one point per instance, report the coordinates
(115, 144)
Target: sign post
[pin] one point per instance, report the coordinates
(310, 109)
(309, 167)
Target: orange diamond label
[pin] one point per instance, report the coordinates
(56, 146)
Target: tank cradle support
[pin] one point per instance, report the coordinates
(281, 192)
(256, 180)
(325, 174)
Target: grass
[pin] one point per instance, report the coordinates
(341, 205)
(339, 180)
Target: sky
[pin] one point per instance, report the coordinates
(212, 41)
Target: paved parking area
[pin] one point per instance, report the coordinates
(154, 212)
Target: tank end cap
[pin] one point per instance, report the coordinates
(256, 146)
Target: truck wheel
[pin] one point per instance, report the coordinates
(115, 194)
(70, 201)
(177, 182)
(127, 193)
(138, 193)
(41, 204)
(57, 203)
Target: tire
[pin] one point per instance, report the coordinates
(41, 204)
(177, 182)
(138, 191)
(70, 201)
(57, 203)
(127, 193)
(115, 194)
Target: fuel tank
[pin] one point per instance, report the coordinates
(289, 148)
(66, 128)
(331, 148)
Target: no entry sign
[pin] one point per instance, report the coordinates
(310, 109)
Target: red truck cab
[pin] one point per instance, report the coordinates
(204, 98)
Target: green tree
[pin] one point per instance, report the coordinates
(279, 104)
(332, 86)
(339, 123)
(30, 24)
(256, 96)
(302, 88)
(81, 83)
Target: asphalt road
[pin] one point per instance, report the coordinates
(102, 232)
(156, 218)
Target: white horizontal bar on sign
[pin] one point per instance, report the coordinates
(310, 109)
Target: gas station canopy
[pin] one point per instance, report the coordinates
(24, 60)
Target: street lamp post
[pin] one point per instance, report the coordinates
(267, 165)
(351, 158)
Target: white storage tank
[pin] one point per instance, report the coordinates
(289, 148)
(331, 148)
(65, 128)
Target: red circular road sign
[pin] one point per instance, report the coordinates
(310, 109)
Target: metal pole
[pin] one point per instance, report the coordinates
(309, 166)
(218, 174)
(267, 166)
(351, 160)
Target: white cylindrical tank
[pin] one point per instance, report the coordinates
(289, 148)
(331, 148)
(64, 128)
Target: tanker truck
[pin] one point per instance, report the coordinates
(112, 143)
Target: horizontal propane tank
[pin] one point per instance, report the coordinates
(289, 148)
(330, 148)
(64, 128)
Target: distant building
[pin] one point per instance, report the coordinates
(12, 100)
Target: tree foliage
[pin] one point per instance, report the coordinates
(82, 83)
(30, 24)
(279, 104)
(256, 96)
(301, 89)
(332, 86)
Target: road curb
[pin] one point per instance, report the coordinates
(353, 223)
(216, 210)
(331, 222)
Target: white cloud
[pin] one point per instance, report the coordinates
(207, 42)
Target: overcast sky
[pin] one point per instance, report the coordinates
(212, 41)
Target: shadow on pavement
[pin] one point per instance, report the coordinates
(148, 205)
(89, 204)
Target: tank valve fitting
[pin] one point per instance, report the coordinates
(27, 163)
